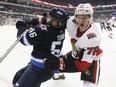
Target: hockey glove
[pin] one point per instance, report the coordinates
(22, 23)
(52, 64)
(33, 22)
(27, 23)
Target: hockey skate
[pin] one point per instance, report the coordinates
(59, 77)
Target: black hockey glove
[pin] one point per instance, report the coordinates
(33, 22)
(52, 64)
(64, 63)
(22, 23)
(27, 23)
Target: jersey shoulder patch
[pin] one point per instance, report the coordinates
(43, 27)
(89, 39)
(91, 35)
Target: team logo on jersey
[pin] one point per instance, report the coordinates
(75, 51)
(43, 27)
(91, 35)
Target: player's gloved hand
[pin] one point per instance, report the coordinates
(33, 22)
(27, 23)
(52, 64)
(23, 23)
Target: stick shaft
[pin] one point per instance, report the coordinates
(11, 47)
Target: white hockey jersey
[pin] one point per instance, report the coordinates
(89, 41)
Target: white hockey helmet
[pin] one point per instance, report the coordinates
(84, 9)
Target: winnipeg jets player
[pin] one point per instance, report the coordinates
(47, 40)
(86, 52)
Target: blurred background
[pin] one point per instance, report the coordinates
(13, 10)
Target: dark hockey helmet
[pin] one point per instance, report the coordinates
(60, 15)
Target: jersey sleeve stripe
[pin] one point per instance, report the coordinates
(26, 42)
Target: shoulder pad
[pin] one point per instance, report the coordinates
(90, 38)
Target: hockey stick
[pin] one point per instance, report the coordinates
(12, 46)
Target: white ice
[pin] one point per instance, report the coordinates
(20, 55)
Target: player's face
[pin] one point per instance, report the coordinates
(83, 21)
(53, 22)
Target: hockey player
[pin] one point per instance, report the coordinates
(109, 29)
(111, 24)
(47, 40)
(102, 25)
(86, 52)
(112, 21)
(31, 23)
(108, 26)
